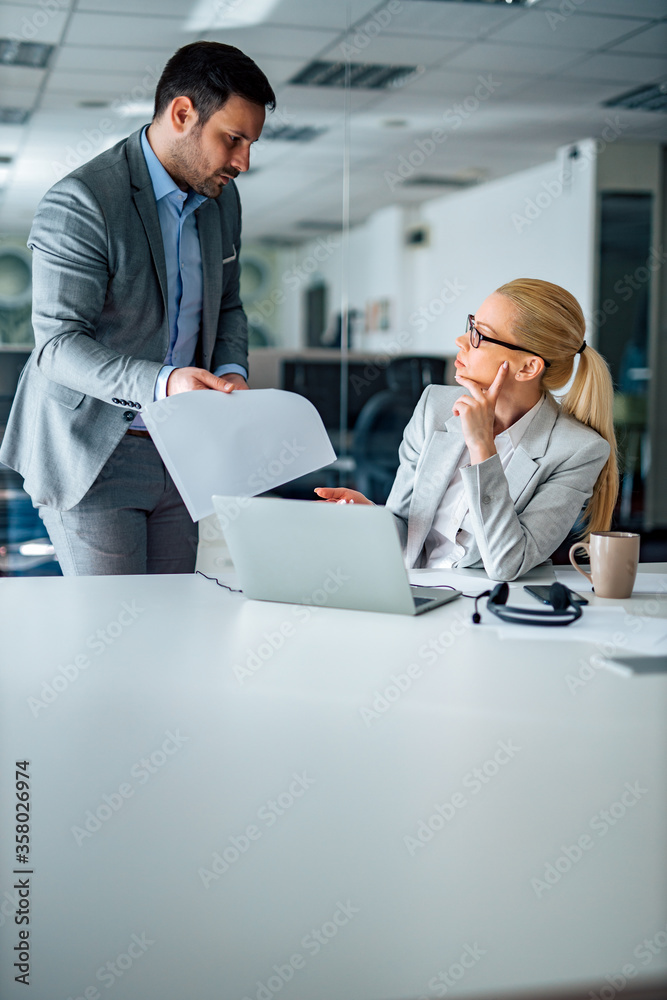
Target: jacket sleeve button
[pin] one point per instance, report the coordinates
(115, 400)
(129, 415)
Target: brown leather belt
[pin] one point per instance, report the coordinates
(137, 433)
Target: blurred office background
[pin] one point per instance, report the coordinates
(422, 153)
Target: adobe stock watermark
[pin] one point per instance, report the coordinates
(113, 970)
(366, 32)
(312, 943)
(402, 681)
(626, 286)
(601, 823)
(474, 781)
(31, 25)
(268, 814)
(448, 979)
(453, 118)
(141, 772)
(565, 9)
(274, 640)
(551, 190)
(98, 642)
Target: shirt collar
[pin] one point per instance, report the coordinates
(163, 183)
(519, 428)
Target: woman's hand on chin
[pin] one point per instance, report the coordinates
(341, 495)
(477, 413)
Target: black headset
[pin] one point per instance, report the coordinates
(565, 610)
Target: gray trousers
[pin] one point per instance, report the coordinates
(131, 521)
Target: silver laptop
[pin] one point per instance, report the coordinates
(332, 555)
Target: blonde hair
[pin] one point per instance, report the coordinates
(550, 323)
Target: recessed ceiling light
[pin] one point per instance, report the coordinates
(136, 109)
(211, 14)
(33, 54)
(362, 76)
(14, 116)
(649, 98)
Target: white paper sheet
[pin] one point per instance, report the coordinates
(646, 583)
(611, 629)
(473, 581)
(236, 444)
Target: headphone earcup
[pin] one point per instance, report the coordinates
(499, 594)
(559, 597)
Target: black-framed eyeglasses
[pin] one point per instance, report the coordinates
(476, 338)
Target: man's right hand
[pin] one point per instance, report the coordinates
(187, 379)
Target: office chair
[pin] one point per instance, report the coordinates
(379, 428)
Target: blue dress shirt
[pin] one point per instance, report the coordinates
(182, 254)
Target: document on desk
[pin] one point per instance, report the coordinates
(474, 581)
(236, 444)
(645, 583)
(613, 631)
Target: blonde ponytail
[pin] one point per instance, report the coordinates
(550, 323)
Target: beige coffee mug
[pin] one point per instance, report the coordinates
(614, 556)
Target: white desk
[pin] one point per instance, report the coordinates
(324, 853)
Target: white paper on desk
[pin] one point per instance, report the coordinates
(474, 580)
(611, 629)
(237, 443)
(646, 583)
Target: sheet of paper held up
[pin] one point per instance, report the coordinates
(236, 444)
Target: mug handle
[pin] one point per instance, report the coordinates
(587, 549)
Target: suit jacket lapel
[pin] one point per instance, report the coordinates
(144, 198)
(439, 464)
(210, 240)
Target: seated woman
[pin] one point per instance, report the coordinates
(496, 476)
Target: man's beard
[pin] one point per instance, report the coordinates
(185, 166)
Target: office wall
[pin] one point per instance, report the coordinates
(538, 223)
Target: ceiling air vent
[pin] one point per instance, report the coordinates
(429, 180)
(507, 3)
(14, 53)
(292, 133)
(14, 116)
(363, 76)
(648, 98)
(319, 225)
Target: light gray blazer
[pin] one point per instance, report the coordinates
(520, 515)
(100, 318)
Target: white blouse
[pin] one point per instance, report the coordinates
(451, 532)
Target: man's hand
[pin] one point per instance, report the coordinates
(188, 379)
(477, 413)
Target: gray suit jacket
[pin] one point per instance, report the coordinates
(520, 514)
(100, 318)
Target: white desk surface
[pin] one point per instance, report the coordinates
(474, 910)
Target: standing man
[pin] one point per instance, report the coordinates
(136, 297)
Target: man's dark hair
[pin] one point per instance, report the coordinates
(209, 73)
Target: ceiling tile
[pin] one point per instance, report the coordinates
(394, 50)
(579, 31)
(497, 57)
(32, 24)
(92, 60)
(19, 78)
(129, 31)
(270, 40)
(650, 41)
(621, 8)
(452, 20)
(621, 68)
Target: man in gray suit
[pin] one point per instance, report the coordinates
(136, 297)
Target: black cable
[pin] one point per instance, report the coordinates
(215, 580)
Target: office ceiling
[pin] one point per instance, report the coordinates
(507, 84)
